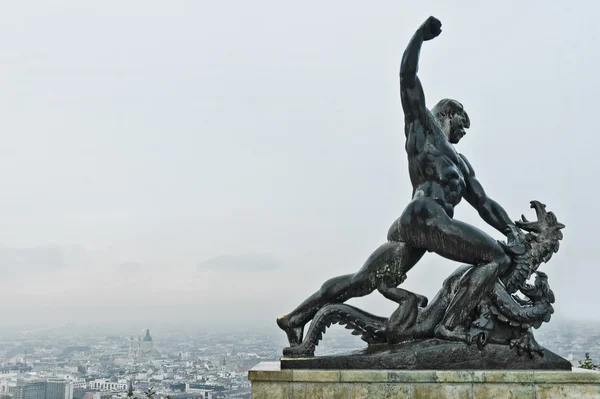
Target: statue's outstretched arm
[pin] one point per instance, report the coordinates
(489, 210)
(411, 91)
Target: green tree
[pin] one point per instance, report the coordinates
(150, 393)
(587, 363)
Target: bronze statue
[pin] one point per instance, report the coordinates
(440, 177)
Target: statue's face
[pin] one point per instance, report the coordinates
(456, 125)
(452, 118)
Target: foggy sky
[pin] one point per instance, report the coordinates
(210, 160)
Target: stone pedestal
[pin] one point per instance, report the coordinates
(269, 381)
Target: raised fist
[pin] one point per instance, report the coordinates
(431, 28)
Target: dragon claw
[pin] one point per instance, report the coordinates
(526, 343)
(482, 340)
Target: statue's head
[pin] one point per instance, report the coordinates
(452, 118)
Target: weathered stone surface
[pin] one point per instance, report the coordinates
(504, 391)
(431, 354)
(269, 371)
(478, 384)
(556, 377)
(374, 390)
(501, 376)
(313, 390)
(442, 391)
(363, 376)
(270, 390)
(455, 376)
(560, 391)
(316, 375)
(412, 376)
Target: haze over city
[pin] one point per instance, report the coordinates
(204, 161)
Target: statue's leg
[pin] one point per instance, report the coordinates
(400, 324)
(335, 290)
(432, 315)
(389, 262)
(425, 224)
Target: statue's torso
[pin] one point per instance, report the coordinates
(436, 170)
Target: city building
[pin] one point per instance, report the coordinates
(58, 388)
(107, 385)
(147, 343)
(29, 388)
(142, 347)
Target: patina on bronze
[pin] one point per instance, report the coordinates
(478, 301)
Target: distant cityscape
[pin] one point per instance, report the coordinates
(74, 362)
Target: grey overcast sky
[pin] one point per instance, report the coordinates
(207, 160)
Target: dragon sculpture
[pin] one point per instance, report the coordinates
(502, 317)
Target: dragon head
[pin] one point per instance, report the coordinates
(546, 220)
(544, 232)
(536, 246)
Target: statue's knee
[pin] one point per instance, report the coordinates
(327, 285)
(360, 284)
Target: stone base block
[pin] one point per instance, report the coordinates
(269, 381)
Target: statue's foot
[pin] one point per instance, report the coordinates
(304, 349)
(294, 334)
(457, 334)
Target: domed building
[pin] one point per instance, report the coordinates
(141, 348)
(147, 343)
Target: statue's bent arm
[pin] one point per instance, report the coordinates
(489, 210)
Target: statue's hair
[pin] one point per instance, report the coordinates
(447, 108)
